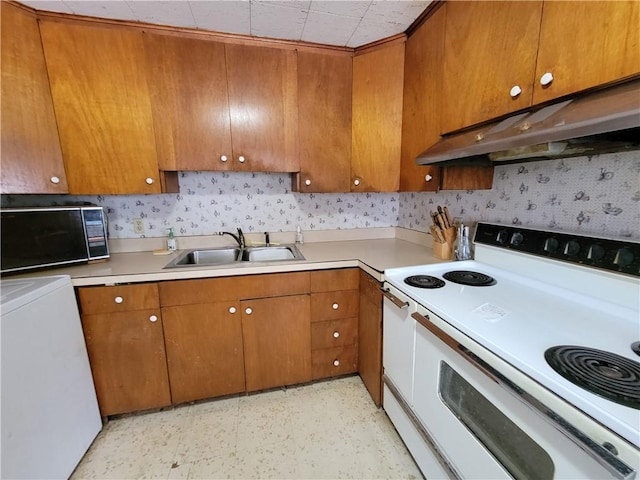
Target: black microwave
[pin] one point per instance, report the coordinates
(50, 237)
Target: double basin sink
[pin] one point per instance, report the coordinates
(231, 255)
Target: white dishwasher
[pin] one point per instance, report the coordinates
(48, 404)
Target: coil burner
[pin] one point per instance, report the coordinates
(466, 277)
(424, 281)
(607, 374)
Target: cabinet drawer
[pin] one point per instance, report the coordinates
(332, 280)
(334, 333)
(119, 298)
(334, 305)
(273, 285)
(329, 362)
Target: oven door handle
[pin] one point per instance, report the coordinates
(599, 453)
(395, 300)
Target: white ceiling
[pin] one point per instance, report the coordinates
(350, 23)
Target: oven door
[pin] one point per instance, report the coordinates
(479, 427)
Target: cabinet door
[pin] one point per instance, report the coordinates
(377, 119)
(370, 337)
(31, 155)
(586, 44)
(324, 116)
(490, 47)
(190, 102)
(128, 361)
(204, 350)
(277, 341)
(422, 104)
(103, 108)
(263, 107)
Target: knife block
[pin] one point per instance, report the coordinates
(444, 250)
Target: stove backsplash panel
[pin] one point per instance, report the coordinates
(599, 196)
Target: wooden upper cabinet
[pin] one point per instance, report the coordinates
(31, 155)
(263, 108)
(188, 84)
(377, 119)
(324, 113)
(422, 104)
(586, 44)
(103, 107)
(490, 48)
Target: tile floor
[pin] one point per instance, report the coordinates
(325, 430)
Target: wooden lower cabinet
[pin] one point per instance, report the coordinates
(277, 341)
(204, 350)
(370, 336)
(128, 360)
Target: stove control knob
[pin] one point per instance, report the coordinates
(551, 245)
(516, 239)
(502, 236)
(624, 257)
(571, 248)
(595, 253)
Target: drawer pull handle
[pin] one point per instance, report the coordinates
(248, 311)
(395, 300)
(336, 363)
(336, 334)
(118, 299)
(153, 318)
(232, 309)
(335, 306)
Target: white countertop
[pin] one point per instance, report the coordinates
(373, 255)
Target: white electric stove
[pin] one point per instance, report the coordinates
(560, 311)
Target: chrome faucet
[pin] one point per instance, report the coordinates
(238, 238)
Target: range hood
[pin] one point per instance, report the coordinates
(598, 122)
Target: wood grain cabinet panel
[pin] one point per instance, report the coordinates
(422, 102)
(277, 341)
(30, 148)
(262, 85)
(586, 44)
(103, 107)
(205, 354)
(334, 305)
(370, 336)
(377, 119)
(188, 84)
(324, 116)
(330, 362)
(125, 342)
(490, 47)
(334, 333)
(335, 279)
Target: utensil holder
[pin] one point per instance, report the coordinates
(443, 251)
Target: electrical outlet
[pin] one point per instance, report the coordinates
(138, 226)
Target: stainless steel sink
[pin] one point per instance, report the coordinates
(229, 255)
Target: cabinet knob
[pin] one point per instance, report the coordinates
(428, 178)
(241, 159)
(546, 79)
(307, 182)
(336, 334)
(149, 181)
(55, 180)
(232, 310)
(223, 158)
(335, 306)
(153, 318)
(356, 182)
(118, 299)
(336, 363)
(248, 311)
(515, 91)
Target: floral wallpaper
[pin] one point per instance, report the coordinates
(598, 195)
(595, 196)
